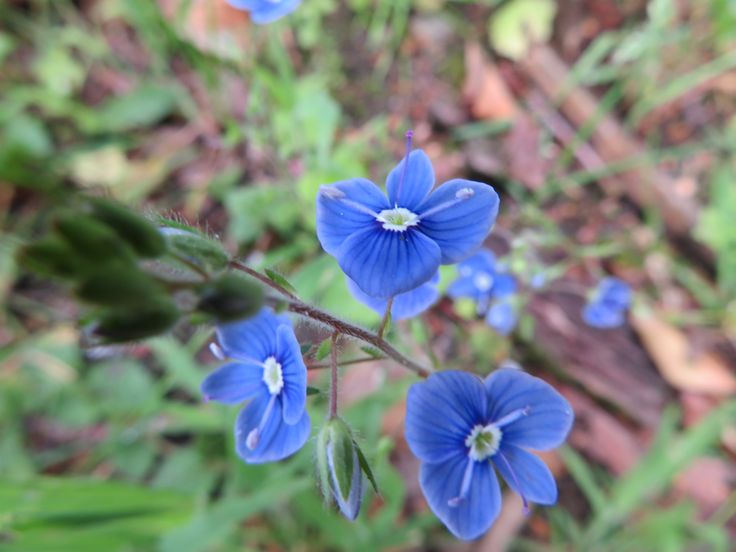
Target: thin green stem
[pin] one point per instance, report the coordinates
(386, 317)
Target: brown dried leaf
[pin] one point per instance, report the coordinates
(485, 90)
(671, 353)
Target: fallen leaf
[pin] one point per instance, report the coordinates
(705, 373)
(484, 90)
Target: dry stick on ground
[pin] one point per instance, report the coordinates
(646, 186)
(297, 306)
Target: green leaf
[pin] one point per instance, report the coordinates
(312, 391)
(141, 234)
(366, 467)
(372, 352)
(280, 280)
(231, 297)
(518, 23)
(144, 106)
(340, 447)
(324, 349)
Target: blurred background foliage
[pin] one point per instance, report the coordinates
(611, 141)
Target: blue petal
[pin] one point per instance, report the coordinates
(441, 412)
(474, 515)
(461, 228)
(504, 285)
(482, 261)
(351, 507)
(294, 372)
(339, 216)
(253, 339)
(531, 477)
(278, 440)
(614, 292)
(233, 383)
(418, 181)
(405, 305)
(502, 317)
(600, 315)
(550, 416)
(385, 263)
(265, 11)
(465, 287)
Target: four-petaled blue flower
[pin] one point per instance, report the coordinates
(265, 11)
(608, 304)
(391, 245)
(405, 305)
(460, 427)
(480, 279)
(267, 367)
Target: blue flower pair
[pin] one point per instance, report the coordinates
(462, 427)
(608, 304)
(493, 290)
(265, 11)
(265, 367)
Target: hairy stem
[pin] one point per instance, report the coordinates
(297, 306)
(386, 317)
(333, 376)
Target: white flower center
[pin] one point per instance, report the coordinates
(483, 441)
(397, 219)
(483, 281)
(272, 376)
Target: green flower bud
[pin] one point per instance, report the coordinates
(145, 320)
(196, 248)
(91, 239)
(137, 231)
(231, 297)
(340, 468)
(119, 284)
(50, 256)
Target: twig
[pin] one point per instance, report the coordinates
(297, 306)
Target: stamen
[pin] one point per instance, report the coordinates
(464, 486)
(338, 195)
(461, 195)
(409, 136)
(217, 351)
(254, 437)
(525, 504)
(513, 416)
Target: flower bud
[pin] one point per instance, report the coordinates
(50, 256)
(119, 284)
(231, 297)
(144, 320)
(196, 248)
(142, 236)
(339, 467)
(91, 239)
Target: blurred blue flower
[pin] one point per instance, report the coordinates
(461, 427)
(608, 304)
(502, 315)
(405, 305)
(481, 279)
(265, 11)
(391, 245)
(267, 368)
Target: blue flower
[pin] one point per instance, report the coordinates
(461, 427)
(405, 305)
(502, 316)
(267, 368)
(481, 279)
(608, 304)
(391, 245)
(265, 11)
